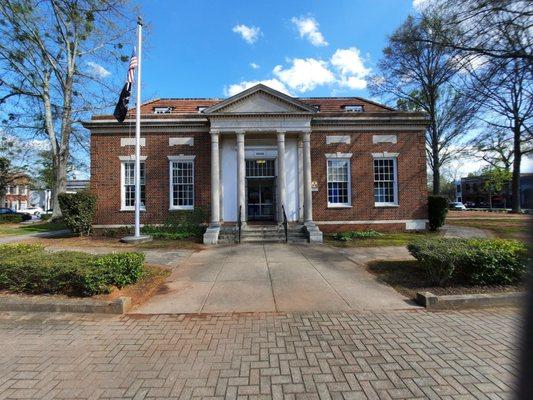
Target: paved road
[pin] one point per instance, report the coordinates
(277, 277)
(375, 355)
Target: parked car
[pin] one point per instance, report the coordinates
(5, 211)
(37, 211)
(458, 206)
(470, 204)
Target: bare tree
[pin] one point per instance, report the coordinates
(52, 54)
(495, 147)
(504, 88)
(488, 28)
(420, 76)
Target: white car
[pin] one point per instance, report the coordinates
(457, 205)
(33, 211)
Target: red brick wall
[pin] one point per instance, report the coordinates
(105, 175)
(411, 164)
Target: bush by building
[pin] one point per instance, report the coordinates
(471, 261)
(31, 269)
(437, 211)
(78, 211)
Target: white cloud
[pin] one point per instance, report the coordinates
(97, 70)
(250, 34)
(308, 28)
(344, 70)
(304, 74)
(350, 67)
(254, 65)
(275, 84)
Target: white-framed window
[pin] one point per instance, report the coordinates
(339, 187)
(354, 108)
(16, 190)
(127, 202)
(24, 191)
(385, 181)
(201, 108)
(162, 110)
(8, 190)
(182, 183)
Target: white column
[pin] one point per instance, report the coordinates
(300, 180)
(215, 179)
(241, 175)
(308, 199)
(281, 175)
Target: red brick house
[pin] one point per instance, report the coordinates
(348, 163)
(17, 193)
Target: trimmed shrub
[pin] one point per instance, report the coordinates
(78, 211)
(31, 269)
(493, 262)
(437, 211)
(347, 236)
(14, 218)
(471, 261)
(121, 269)
(438, 257)
(180, 225)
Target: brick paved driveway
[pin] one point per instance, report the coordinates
(376, 355)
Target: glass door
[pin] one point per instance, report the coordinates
(261, 199)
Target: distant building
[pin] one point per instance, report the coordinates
(17, 193)
(75, 186)
(470, 191)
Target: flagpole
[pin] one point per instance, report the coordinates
(138, 133)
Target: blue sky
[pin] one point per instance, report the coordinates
(308, 48)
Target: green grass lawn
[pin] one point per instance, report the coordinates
(23, 229)
(504, 228)
(386, 239)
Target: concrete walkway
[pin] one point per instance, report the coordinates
(466, 232)
(277, 277)
(20, 238)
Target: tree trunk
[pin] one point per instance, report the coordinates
(516, 169)
(60, 182)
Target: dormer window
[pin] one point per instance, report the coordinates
(317, 106)
(201, 108)
(354, 108)
(162, 110)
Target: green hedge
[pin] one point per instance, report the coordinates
(10, 218)
(180, 225)
(347, 236)
(471, 261)
(14, 218)
(437, 211)
(78, 211)
(31, 269)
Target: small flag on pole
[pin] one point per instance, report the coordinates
(121, 108)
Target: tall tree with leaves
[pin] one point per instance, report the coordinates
(50, 52)
(420, 76)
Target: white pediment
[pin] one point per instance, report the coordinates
(260, 102)
(260, 99)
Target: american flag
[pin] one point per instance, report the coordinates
(131, 69)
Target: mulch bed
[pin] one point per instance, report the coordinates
(408, 278)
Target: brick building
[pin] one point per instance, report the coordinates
(348, 163)
(17, 193)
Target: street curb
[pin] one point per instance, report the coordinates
(462, 301)
(42, 304)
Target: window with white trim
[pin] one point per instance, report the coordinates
(385, 181)
(354, 108)
(338, 175)
(128, 185)
(182, 185)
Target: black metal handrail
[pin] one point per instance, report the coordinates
(285, 224)
(239, 222)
